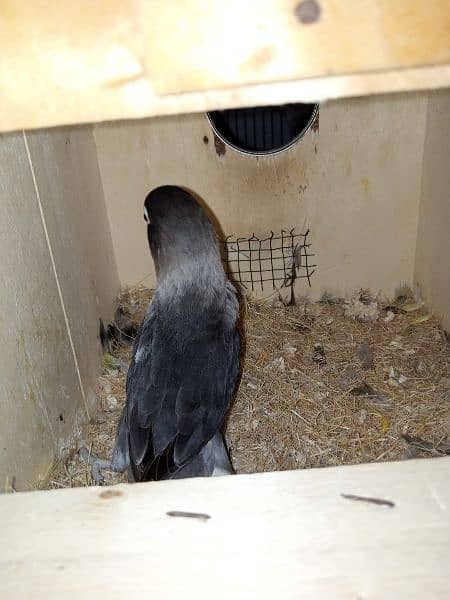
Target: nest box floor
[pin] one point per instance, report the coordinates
(319, 388)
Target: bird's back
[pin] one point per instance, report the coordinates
(180, 384)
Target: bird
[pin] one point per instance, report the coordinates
(121, 331)
(186, 356)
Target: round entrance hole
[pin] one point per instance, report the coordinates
(263, 130)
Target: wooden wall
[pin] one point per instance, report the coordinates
(354, 182)
(58, 276)
(432, 271)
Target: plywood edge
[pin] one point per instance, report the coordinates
(136, 100)
(289, 535)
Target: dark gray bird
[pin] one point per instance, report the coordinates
(119, 332)
(185, 361)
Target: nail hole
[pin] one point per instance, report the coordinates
(308, 11)
(106, 494)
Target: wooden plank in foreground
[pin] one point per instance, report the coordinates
(276, 535)
(64, 63)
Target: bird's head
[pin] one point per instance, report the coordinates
(181, 236)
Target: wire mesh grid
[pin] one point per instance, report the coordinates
(255, 262)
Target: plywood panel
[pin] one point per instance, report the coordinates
(275, 535)
(67, 175)
(40, 397)
(433, 240)
(92, 61)
(202, 45)
(355, 182)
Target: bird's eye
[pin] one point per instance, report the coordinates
(146, 217)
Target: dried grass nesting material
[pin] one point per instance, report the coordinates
(362, 307)
(307, 414)
(319, 388)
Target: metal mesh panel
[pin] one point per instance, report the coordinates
(258, 263)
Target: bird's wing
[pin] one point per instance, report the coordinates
(177, 397)
(143, 343)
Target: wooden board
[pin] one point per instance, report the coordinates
(278, 535)
(91, 61)
(202, 45)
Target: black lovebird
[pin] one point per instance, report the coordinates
(185, 360)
